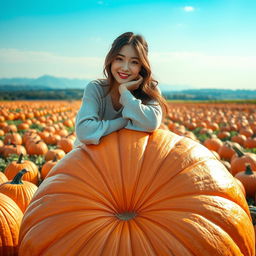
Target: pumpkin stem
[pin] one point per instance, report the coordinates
(126, 215)
(18, 177)
(20, 159)
(238, 151)
(248, 170)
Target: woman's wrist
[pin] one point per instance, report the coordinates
(122, 88)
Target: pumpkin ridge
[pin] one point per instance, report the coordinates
(121, 224)
(180, 237)
(221, 195)
(146, 151)
(108, 237)
(113, 198)
(128, 224)
(9, 218)
(162, 185)
(154, 228)
(155, 174)
(110, 205)
(216, 221)
(233, 239)
(130, 175)
(63, 234)
(131, 203)
(173, 234)
(120, 171)
(149, 243)
(192, 167)
(110, 212)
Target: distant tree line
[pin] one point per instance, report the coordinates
(67, 94)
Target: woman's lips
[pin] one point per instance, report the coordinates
(123, 76)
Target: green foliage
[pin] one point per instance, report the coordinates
(37, 127)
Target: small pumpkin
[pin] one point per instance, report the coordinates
(13, 150)
(226, 151)
(13, 138)
(10, 220)
(240, 159)
(16, 166)
(65, 144)
(19, 191)
(48, 166)
(37, 148)
(248, 178)
(52, 153)
(213, 144)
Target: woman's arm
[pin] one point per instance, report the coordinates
(89, 127)
(142, 117)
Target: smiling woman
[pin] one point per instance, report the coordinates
(128, 97)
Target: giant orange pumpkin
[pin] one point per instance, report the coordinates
(138, 194)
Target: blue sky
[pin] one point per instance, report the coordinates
(200, 43)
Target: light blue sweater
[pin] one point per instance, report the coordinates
(97, 116)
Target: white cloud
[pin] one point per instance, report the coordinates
(204, 71)
(188, 8)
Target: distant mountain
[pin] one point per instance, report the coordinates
(46, 81)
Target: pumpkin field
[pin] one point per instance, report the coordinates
(209, 145)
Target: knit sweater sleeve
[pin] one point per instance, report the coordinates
(141, 117)
(89, 126)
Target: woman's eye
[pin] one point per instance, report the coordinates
(135, 62)
(118, 58)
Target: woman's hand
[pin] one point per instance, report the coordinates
(132, 85)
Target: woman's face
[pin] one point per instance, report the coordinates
(126, 65)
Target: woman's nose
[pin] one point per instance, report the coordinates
(125, 66)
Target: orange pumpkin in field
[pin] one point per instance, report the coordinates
(37, 148)
(14, 167)
(47, 167)
(10, 219)
(19, 191)
(226, 151)
(13, 138)
(213, 144)
(138, 194)
(240, 159)
(52, 153)
(248, 178)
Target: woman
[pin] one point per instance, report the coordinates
(129, 97)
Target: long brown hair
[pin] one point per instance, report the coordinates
(148, 89)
